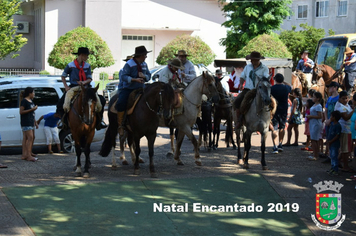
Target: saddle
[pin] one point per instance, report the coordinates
(131, 103)
(72, 94)
(248, 99)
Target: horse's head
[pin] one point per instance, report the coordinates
(209, 87)
(318, 71)
(87, 104)
(264, 90)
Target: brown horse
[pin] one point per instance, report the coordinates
(299, 81)
(82, 120)
(323, 75)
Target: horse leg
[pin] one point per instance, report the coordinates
(238, 141)
(188, 132)
(231, 133)
(247, 141)
(214, 134)
(263, 148)
(113, 159)
(210, 130)
(151, 140)
(171, 152)
(122, 149)
(180, 137)
(78, 151)
(87, 161)
(137, 154)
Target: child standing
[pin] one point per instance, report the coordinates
(294, 121)
(315, 124)
(51, 130)
(308, 105)
(334, 142)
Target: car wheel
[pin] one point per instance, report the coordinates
(67, 141)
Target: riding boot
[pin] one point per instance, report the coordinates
(100, 124)
(239, 119)
(120, 119)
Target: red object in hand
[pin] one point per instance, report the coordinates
(305, 60)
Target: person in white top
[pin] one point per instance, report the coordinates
(188, 73)
(251, 74)
(223, 80)
(169, 74)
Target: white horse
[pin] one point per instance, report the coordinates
(203, 84)
(257, 118)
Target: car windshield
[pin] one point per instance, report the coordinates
(331, 52)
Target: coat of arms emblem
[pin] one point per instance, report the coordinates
(328, 205)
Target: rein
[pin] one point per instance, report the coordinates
(160, 104)
(75, 111)
(202, 88)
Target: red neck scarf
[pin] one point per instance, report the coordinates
(175, 74)
(139, 67)
(348, 58)
(82, 76)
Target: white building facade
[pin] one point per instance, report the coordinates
(122, 24)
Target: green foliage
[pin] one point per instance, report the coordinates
(267, 45)
(199, 51)
(103, 76)
(248, 19)
(298, 41)
(62, 51)
(9, 41)
(116, 75)
(44, 72)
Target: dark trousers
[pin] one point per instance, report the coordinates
(123, 99)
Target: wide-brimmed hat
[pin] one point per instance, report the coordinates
(141, 50)
(182, 53)
(333, 84)
(218, 72)
(254, 55)
(176, 63)
(128, 58)
(82, 50)
(348, 50)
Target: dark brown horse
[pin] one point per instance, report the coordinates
(323, 75)
(82, 120)
(143, 121)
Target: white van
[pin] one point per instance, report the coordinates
(48, 90)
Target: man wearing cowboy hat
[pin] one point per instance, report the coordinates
(79, 72)
(251, 74)
(306, 65)
(223, 81)
(134, 74)
(350, 69)
(188, 73)
(121, 82)
(169, 74)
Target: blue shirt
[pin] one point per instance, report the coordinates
(352, 66)
(73, 73)
(121, 82)
(130, 72)
(334, 130)
(304, 68)
(51, 120)
(330, 104)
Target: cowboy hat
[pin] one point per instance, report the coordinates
(254, 55)
(141, 50)
(181, 53)
(176, 63)
(348, 50)
(127, 58)
(82, 50)
(218, 72)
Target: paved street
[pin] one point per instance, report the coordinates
(288, 175)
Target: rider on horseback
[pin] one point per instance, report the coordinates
(134, 74)
(169, 74)
(79, 72)
(251, 73)
(306, 65)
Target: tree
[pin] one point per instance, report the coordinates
(248, 19)
(299, 41)
(10, 41)
(62, 51)
(200, 52)
(267, 45)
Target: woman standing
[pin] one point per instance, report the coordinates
(28, 123)
(315, 124)
(295, 120)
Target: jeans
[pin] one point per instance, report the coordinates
(334, 153)
(122, 99)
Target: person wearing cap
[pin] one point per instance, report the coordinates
(134, 74)
(350, 70)
(170, 75)
(329, 108)
(79, 72)
(306, 65)
(251, 74)
(188, 73)
(121, 82)
(223, 80)
(280, 91)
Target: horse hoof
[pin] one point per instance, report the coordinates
(86, 175)
(240, 162)
(180, 163)
(136, 172)
(215, 148)
(198, 163)
(264, 168)
(246, 166)
(169, 155)
(141, 160)
(113, 167)
(154, 175)
(78, 174)
(125, 162)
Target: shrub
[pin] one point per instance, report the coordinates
(44, 72)
(103, 76)
(199, 51)
(116, 75)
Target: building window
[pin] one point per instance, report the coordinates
(322, 8)
(137, 37)
(342, 8)
(302, 12)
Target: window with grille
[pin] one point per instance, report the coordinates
(342, 8)
(302, 11)
(322, 8)
(137, 37)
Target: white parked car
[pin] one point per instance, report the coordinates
(48, 90)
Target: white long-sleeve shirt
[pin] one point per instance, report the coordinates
(189, 71)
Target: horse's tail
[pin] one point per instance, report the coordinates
(111, 131)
